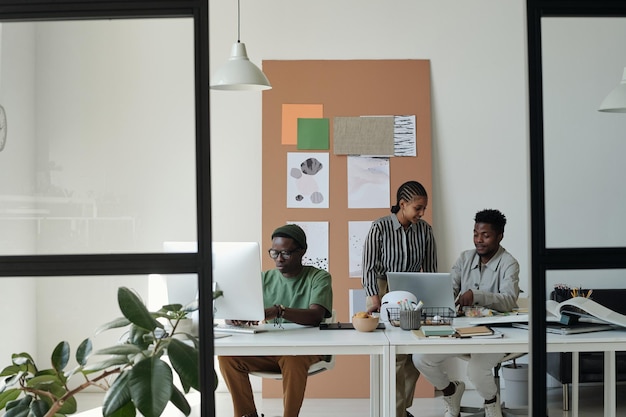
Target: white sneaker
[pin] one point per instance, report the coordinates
(453, 402)
(493, 409)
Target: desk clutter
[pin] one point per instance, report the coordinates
(427, 316)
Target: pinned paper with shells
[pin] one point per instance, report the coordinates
(307, 180)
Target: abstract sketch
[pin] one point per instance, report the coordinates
(404, 136)
(317, 241)
(307, 180)
(368, 182)
(357, 231)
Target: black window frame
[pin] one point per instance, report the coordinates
(544, 259)
(141, 263)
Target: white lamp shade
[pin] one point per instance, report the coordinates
(615, 102)
(239, 73)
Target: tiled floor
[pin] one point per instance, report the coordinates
(590, 404)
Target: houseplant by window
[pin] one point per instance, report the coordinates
(134, 373)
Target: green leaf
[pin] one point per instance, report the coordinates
(117, 396)
(114, 324)
(125, 349)
(10, 370)
(108, 363)
(172, 307)
(43, 379)
(185, 360)
(18, 411)
(83, 352)
(134, 310)
(38, 408)
(7, 396)
(58, 391)
(179, 400)
(21, 358)
(150, 386)
(22, 402)
(128, 410)
(139, 336)
(61, 356)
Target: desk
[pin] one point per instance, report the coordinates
(608, 342)
(298, 340)
(516, 341)
(405, 342)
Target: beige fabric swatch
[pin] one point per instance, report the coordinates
(363, 136)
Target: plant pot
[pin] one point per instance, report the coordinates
(515, 385)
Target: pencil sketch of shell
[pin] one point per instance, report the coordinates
(317, 197)
(311, 166)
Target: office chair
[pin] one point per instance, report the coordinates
(327, 362)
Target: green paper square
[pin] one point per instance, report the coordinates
(313, 134)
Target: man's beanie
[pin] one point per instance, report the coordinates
(292, 231)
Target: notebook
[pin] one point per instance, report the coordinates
(434, 289)
(577, 328)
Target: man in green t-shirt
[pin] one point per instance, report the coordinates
(292, 292)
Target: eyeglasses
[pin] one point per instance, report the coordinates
(286, 254)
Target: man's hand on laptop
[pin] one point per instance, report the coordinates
(466, 299)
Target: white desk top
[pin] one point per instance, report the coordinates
(295, 339)
(514, 341)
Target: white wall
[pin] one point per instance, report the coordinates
(479, 104)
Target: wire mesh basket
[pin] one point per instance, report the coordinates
(430, 315)
(437, 315)
(393, 315)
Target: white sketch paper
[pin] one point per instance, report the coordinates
(307, 180)
(317, 241)
(404, 136)
(357, 232)
(368, 182)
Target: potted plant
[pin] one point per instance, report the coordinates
(143, 381)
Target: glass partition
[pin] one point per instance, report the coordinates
(582, 61)
(101, 133)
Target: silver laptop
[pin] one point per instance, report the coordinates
(434, 289)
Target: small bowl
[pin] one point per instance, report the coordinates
(365, 324)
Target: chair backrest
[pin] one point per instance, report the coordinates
(327, 362)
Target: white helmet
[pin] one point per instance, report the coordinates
(392, 300)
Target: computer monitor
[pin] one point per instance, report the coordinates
(237, 272)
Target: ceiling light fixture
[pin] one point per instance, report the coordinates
(239, 73)
(615, 102)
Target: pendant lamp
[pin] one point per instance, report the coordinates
(615, 102)
(239, 73)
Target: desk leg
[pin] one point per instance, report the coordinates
(609, 384)
(391, 391)
(575, 383)
(387, 404)
(375, 389)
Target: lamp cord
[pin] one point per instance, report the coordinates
(238, 21)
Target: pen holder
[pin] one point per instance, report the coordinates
(410, 319)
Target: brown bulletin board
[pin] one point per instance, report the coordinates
(344, 88)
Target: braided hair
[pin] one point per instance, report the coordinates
(407, 192)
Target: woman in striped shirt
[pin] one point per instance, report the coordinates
(399, 242)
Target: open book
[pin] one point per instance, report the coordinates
(586, 309)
